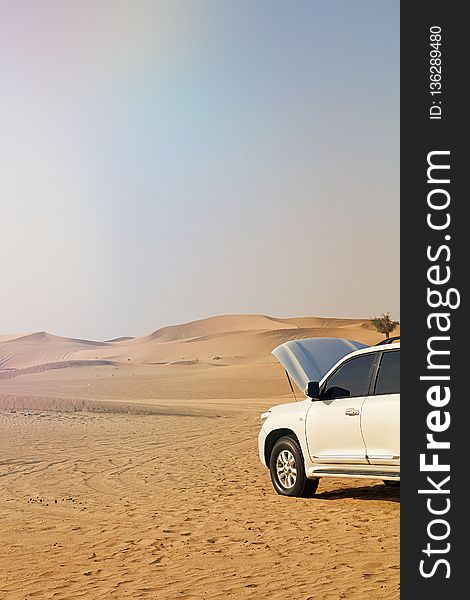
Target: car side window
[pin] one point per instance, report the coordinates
(351, 379)
(388, 377)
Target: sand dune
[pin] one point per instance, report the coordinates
(10, 336)
(40, 348)
(227, 338)
(217, 325)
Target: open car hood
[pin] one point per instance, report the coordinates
(310, 359)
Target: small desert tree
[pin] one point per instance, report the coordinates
(384, 324)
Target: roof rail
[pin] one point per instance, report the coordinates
(388, 341)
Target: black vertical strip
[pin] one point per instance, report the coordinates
(421, 135)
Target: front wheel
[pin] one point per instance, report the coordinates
(287, 470)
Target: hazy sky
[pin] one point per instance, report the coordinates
(162, 161)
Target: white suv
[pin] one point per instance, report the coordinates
(349, 424)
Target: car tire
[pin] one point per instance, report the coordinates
(286, 466)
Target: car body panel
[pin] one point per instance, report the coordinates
(382, 442)
(296, 424)
(333, 431)
(310, 359)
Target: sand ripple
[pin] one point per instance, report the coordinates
(163, 507)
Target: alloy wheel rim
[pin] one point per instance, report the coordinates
(286, 469)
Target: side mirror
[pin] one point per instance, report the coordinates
(313, 390)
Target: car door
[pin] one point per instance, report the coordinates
(381, 413)
(333, 422)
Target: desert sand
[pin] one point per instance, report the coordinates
(129, 469)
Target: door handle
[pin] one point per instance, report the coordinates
(351, 412)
